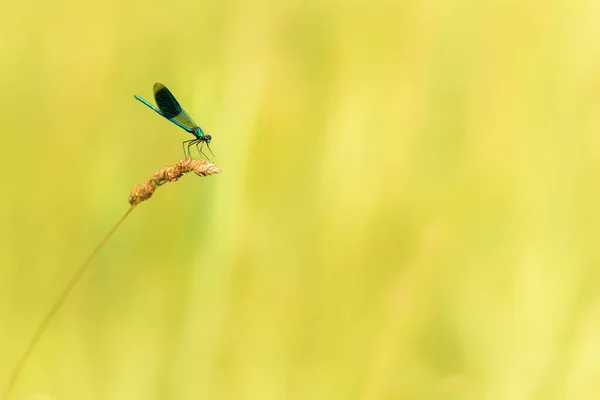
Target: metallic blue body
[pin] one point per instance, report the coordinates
(197, 131)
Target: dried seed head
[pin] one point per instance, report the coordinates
(172, 173)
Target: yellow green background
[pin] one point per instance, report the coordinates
(407, 209)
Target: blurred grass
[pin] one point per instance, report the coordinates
(407, 209)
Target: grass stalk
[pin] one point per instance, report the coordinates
(138, 194)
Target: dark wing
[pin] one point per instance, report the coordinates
(165, 101)
(171, 109)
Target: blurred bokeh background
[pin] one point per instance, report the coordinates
(408, 207)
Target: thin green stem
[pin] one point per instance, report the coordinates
(56, 307)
